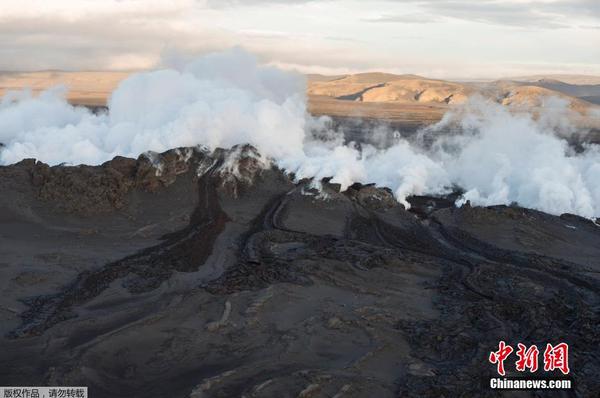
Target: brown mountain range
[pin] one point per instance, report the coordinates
(409, 100)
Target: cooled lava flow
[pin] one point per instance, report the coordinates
(200, 274)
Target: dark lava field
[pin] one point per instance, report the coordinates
(196, 274)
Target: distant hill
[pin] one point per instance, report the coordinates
(594, 99)
(569, 79)
(384, 87)
(408, 99)
(85, 88)
(413, 89)
(412, 100)
(586, 92)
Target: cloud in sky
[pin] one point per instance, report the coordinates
(453, 38)
(526, 14)
(232, 3)
(404, 18)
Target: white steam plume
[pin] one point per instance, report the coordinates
(219, 100)
(225, 99)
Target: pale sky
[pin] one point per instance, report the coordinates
(435, 38)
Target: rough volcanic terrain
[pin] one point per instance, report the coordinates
(197, 274)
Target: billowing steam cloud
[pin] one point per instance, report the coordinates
(225, 99)
(218, 100)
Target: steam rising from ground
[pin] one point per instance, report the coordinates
(225, 99)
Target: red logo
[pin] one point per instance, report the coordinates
(528, 359)
(555, 358)
(500, 356)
